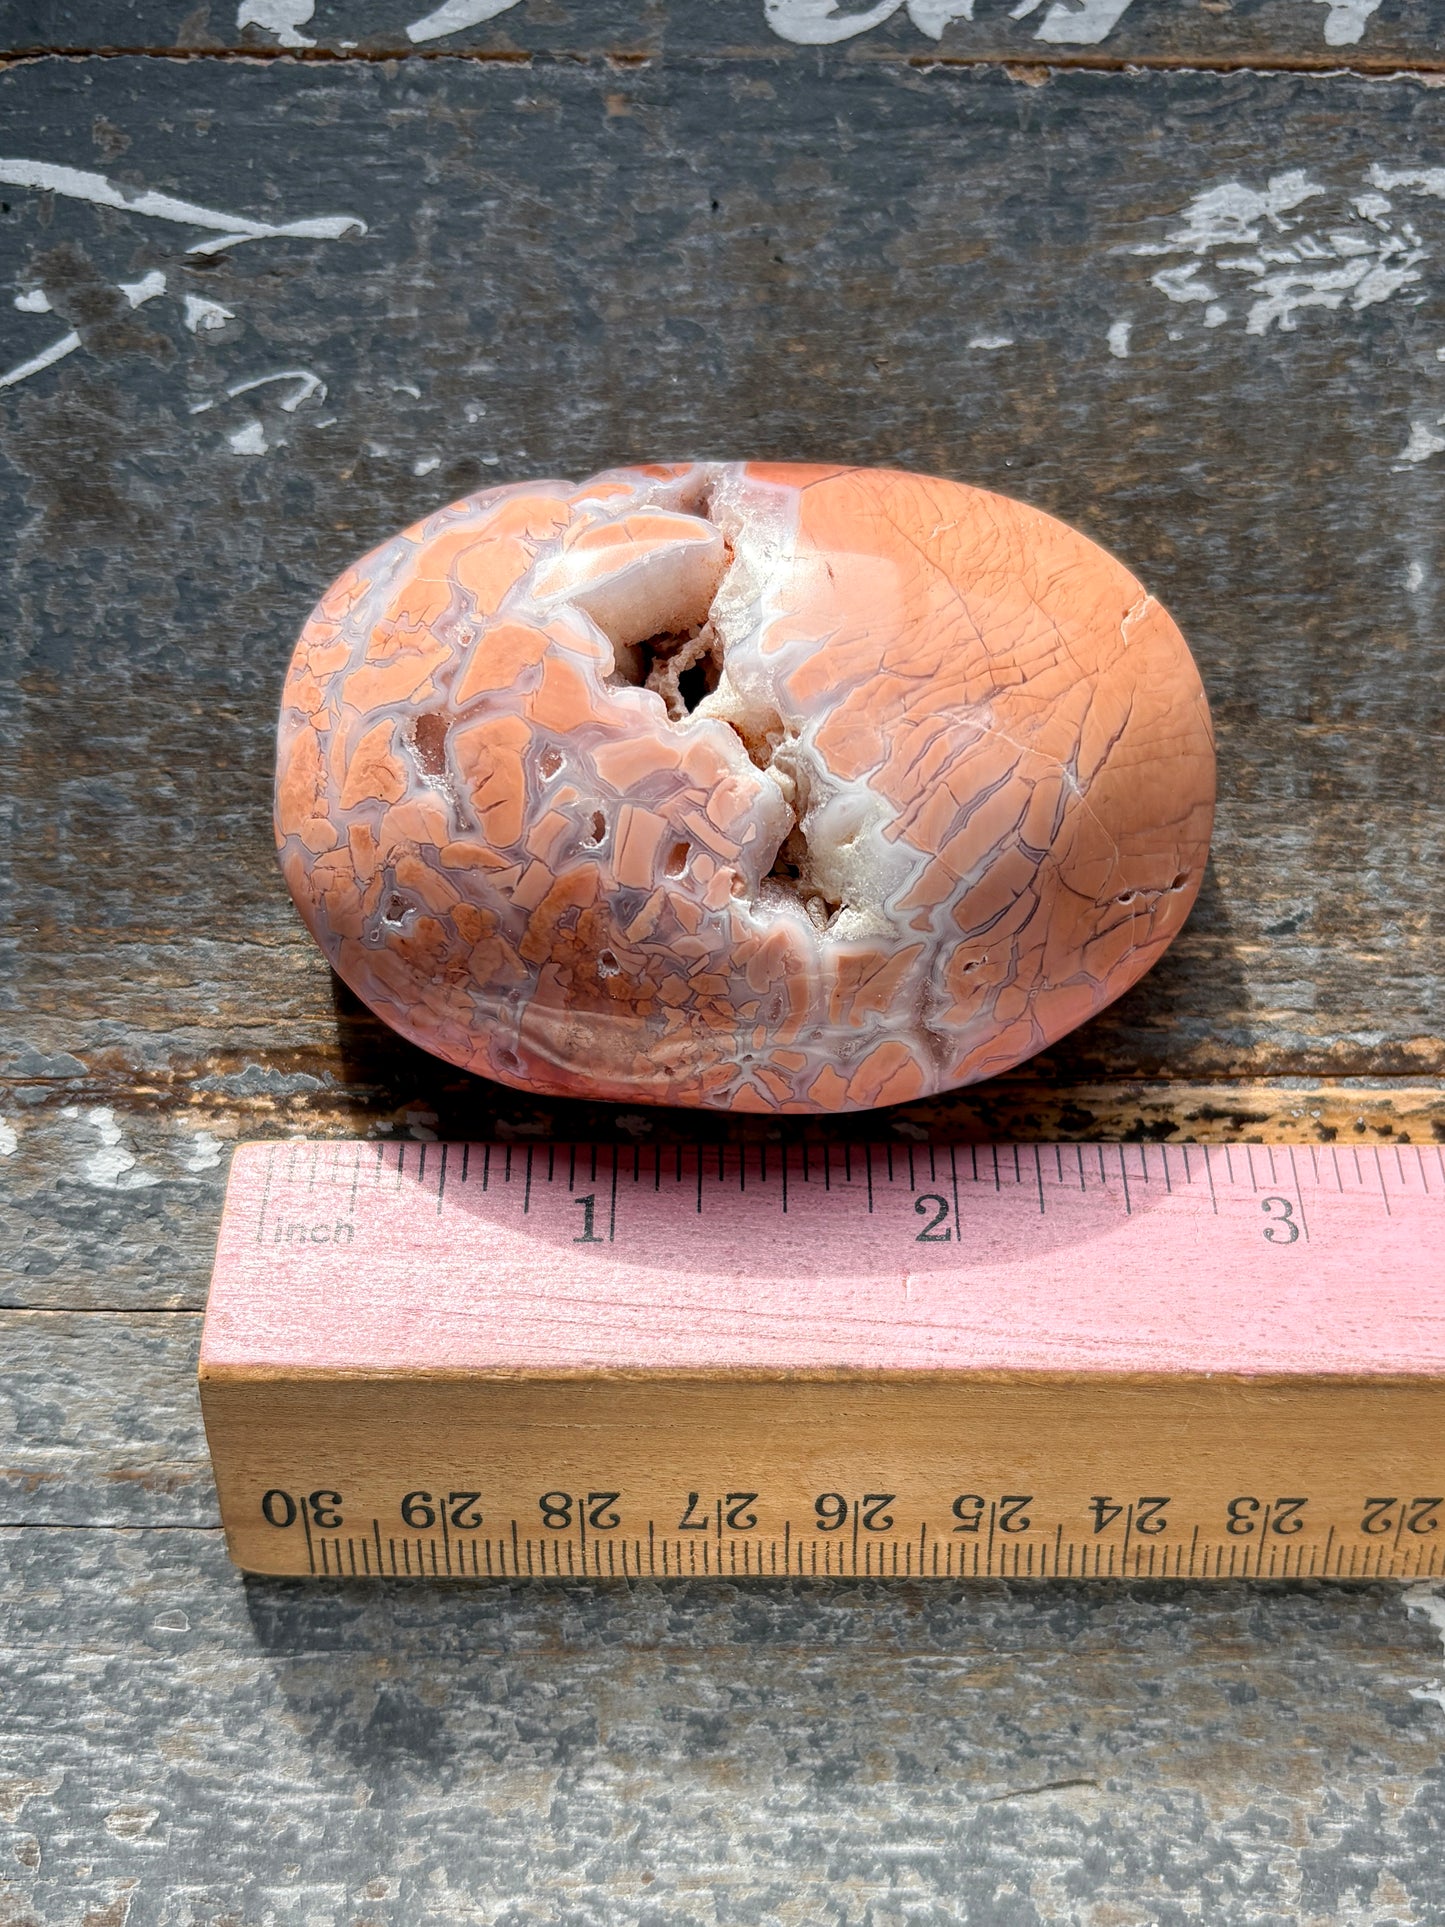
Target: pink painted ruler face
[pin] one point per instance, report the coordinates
(345, 1257)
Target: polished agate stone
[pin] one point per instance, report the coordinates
(762, 787)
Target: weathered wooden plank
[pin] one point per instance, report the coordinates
(881, 263)
(1320, 32)
(180, 1745)
(99, 1210)
(99, 1423)
(111, 1208)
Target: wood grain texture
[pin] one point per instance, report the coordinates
(1252, 32)
(97, 1422)
(493, 1261)
(1024, 1476)
(628, 297)
(872, 1755)
(83, 1231)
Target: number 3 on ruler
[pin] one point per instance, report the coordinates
(1282, 1229)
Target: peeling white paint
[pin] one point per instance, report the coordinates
(1183, 284)
(307, 385)
(1081, 25)
(1345, 22)
(1119, 333)
(1362, 282)
(933, 16)
(137, 293)
(991, 342)
(229, 230)
(113, 1166)
(1428, 1604)
(1232, 214)
(1422, 180)
(455, 15)
(1415, 578)
(425, 464)
(203, 1152)
(47, 358)
(1423, 443)
(818, 23)
(1352, 260)
(8, 1140)
(821, 23)
(282, 18)
(250, 440)
(251, 437)
(203, 316)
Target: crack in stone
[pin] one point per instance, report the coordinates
(685, 665)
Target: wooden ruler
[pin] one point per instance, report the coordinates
(936, 1361)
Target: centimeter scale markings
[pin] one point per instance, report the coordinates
(911, 1361)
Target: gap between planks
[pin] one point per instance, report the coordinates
(100, 1525)
(1022, 66)
(1292, 1108)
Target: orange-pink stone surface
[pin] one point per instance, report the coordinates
(756, 786)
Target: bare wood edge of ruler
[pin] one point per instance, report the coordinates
(927, 1361)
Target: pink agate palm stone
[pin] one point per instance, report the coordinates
(746, 785)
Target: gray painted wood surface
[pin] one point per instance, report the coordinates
(544, 271)
(733, 245)
(1370, 35)
(201, 1749)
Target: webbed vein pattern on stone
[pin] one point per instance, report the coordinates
(757, 786)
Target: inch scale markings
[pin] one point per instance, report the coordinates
(1034, 1361)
